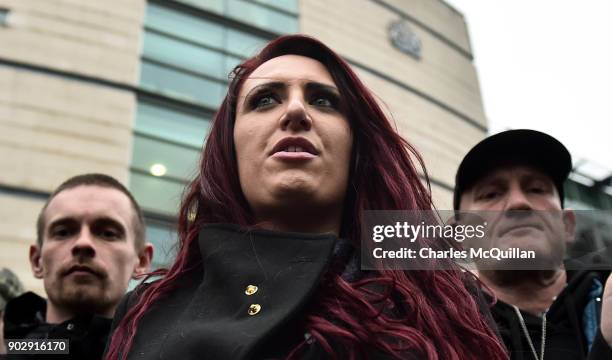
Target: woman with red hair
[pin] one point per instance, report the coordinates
(267, 266)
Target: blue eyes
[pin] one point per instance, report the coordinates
(266, 101)
(323, 102)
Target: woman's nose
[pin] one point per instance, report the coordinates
(296, 117)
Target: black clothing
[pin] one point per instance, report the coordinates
(207, 315)
(565, 334)
(24, 318)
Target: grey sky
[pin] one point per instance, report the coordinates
(547, 65)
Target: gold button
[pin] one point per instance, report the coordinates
(251, 289)
(254, 309)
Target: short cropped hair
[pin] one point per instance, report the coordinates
(100, 180)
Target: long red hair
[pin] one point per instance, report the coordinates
(434, 316)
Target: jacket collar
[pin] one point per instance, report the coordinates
(26, 313)
(286, 268)
(262, 253)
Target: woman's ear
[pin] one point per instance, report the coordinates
(35, 261)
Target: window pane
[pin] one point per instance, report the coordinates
(571, 190)
(184, 55)
(215, 6)
(608, 202)
(180, 85)
(156, 194)
(3, 16)
(262, 17)
(164, 239)
(184, 25)
(178, 126)
(244, 44)
(230, 64)
(287, 5)
(179, 162)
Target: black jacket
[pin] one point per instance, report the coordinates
(565, 338)
(24, 319)
(207, 316)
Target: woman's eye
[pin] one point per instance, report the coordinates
(265, 101)
(326, 100)
(323, 102)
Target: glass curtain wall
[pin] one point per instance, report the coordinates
(189, 48)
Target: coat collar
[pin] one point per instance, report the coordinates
(25, 314)
(286, 268)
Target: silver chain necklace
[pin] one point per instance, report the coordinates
(526, 333)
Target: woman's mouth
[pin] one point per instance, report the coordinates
(294, 148)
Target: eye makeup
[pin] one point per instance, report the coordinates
(276, 92)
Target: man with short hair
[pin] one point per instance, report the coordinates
(550, 312)
(90, 243)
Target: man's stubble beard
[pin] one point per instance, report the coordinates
(514, 272)
(512, 278)
(81, 299)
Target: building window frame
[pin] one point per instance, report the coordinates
(4, 16)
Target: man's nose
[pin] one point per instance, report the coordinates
(517, 200)
(296, 117)
(84, 246)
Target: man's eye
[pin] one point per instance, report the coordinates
(62, 232)
(109, 234)
(537, 190)
(488, 195)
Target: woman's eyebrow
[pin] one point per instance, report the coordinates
(272, 85)
(314, 86)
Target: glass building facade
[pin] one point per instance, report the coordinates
(189, 48)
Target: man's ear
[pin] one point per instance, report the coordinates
(569, 220)
(35, 261)
(144, 261)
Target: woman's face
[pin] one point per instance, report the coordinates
(293, 141)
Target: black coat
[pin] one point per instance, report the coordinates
(24, 319)
(207, 316)
(565, 338)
